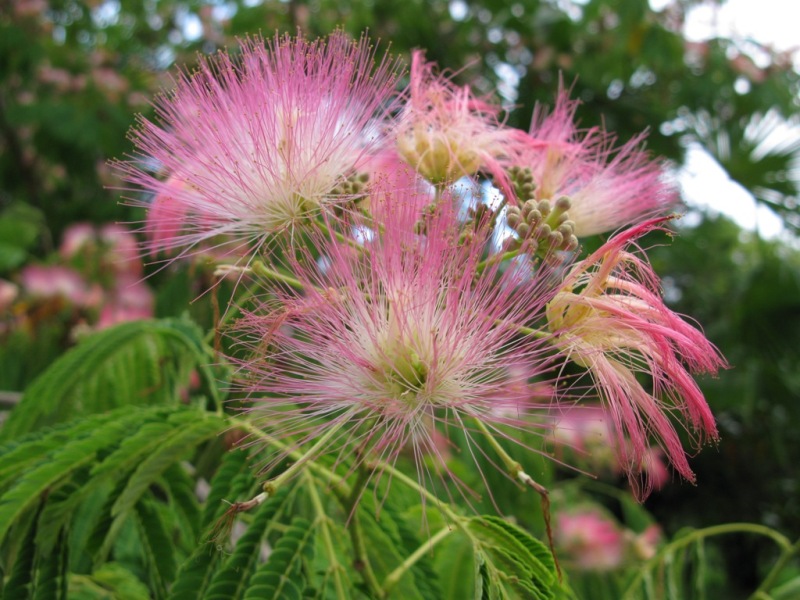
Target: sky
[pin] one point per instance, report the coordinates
(769, 22)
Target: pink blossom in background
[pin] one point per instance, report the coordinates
(608, 187)
(46, 282)
(589, 431)
(390, 343)
(130, 300)
(8, 293)
(121, 250)
(76, 237)
(610, 319)
(645, 545)
(445, 132)
(592, 541)
(259, 142)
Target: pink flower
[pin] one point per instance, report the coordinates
(645, 545)
(589, 431)
(592, 541)
(75, 238)
(251, 145)
(395, 343)
(610, 319)
(445, 133)
(8, 293)
(56, 281)
(607, 187)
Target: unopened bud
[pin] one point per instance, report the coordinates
(527, 208)
(544, 207)
(523, 230)
(534, 218)
(513, 217)
(543, 231)
(572, 243)
(563, 204)
(555, 239)
(566, 229)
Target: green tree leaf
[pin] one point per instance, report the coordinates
(135, 363)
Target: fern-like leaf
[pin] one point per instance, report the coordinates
(135, 363)
(230, 582)
(282, 575)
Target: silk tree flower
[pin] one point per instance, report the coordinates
(445, 132)
(587, 431)
(389, 346)
(252, 144)
(591, 540)
(610, 318)
(608, 187)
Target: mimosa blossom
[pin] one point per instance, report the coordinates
(591, 540)
(392, 343)
(250, 145)
(610, 318)
(445, 133)
(608, 187)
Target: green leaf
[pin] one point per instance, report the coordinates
(156, 545)
(20, 581)
(51, 577)
(89, 437)
(180, 488)
(515, 565)
(21, 455)
(232, 479)
(112, 581)
(135, 363)
(230, 582)
(455, 565)
(282, 575)
(190, 427)
(384, 548)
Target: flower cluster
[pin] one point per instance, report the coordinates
(96, 281)
(403, 307)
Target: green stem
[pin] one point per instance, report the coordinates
(495, 258)
(296, 455)
(769, 580)
(446, 510)
(341, 238)
(271, 485)
(523, 330)
(393, 577)
(259, 268)
(362, 563)
(782, 541)
(327, 540)
(517, 472)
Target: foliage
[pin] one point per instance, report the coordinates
(117, 467)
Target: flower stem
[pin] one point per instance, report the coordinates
(446, 510)
(301, 457)
(766, 585)
(274, 483)
(393, 577)
(361, 561)
(785, 544)
(517, 472)
(259, 268)
(327, 540)
(495, 258)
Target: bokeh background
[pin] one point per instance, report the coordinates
(73, 75)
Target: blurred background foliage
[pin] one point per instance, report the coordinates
(73, 74)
